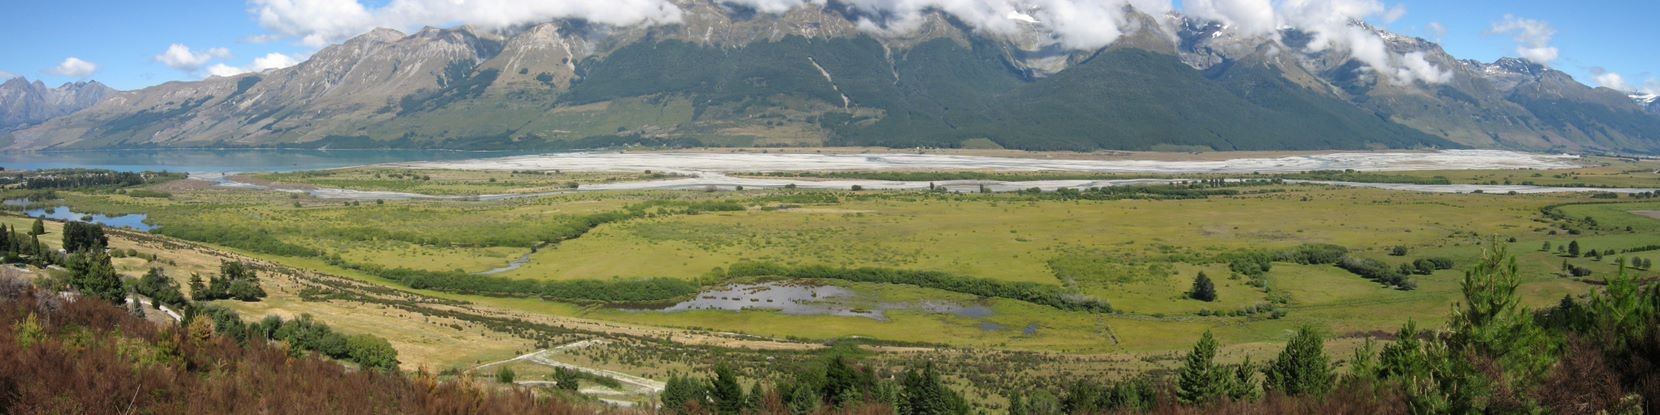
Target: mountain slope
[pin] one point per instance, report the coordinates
(727, 76)
(23, 103)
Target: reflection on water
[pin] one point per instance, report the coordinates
(805, 299)
(134, 221)
(790, 299)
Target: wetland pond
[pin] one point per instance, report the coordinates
(62, 213)
(794, 298)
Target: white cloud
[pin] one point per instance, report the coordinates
(1075, 24)
(1079, 24)
(268, 62)
(220, 69)
(1651, 86)
(1331, 26)
(74, 67)
(7, 75)
(1437, 30)
(274, 60)
(1610, 80)
(1415, 66)
(179, 56)
(1532, 38)
(1252, 17)
(321, 22)
(773, 6)
(1394, 13)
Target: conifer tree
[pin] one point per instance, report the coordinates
(94, 276)
(1203, 288)
(725, 392)
(1303, 367)
(1200, 381)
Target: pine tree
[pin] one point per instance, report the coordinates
(725, 392)
(38, 229)
(1203, 289)
(198, 291)
(1243, 385)
(1492, 321)
(1546, 247)
(683, 393)
(923, 393)
(1303, 367)
(1573, 249)
(1200, 381)
(94, 276)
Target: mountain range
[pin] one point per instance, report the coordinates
(730, 76)
(24, 103)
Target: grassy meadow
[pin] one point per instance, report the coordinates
(1139, 254)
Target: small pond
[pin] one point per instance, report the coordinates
(133, 221)
(806, 299)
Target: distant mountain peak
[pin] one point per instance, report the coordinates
(731, 75)
(1517, 66)
(24, 102)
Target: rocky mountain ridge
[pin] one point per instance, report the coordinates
(812, 76)
(24, 103)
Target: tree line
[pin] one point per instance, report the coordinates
(837, 384)
(84, 178)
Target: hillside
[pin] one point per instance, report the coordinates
(729, 76)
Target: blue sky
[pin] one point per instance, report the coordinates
(124, 38)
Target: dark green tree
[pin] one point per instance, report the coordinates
(374, 352)
(803, 400)
(1200, 380)
(1493, 323)
(725, 392)
(1573, 249)
(682, 395)
(922, 393)
(1203, 289)
(161, 289)
(1303, 367)
(505, 375)
(566, 379)
(92, 273)
(38, 229)
(1243, 383)
(81, 236)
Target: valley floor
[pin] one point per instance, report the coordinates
(1061, 284)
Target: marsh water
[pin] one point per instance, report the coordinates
(63, 213)
(823, 300)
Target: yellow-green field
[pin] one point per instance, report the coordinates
(1138, 255)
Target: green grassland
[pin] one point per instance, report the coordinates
(1140, 256)
(448, 182)
(1596, 172)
